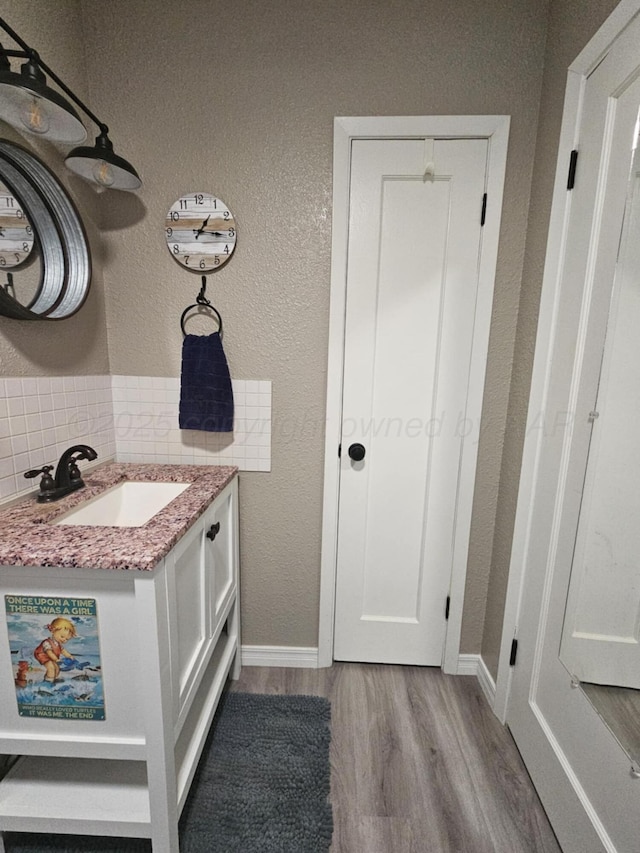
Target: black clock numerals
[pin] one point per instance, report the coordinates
(16, 233)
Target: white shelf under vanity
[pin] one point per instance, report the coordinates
(169, 639)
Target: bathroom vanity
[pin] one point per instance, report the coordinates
(110, 746)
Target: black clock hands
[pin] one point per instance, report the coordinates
(201, 230)
(202, 227)
(211, 233)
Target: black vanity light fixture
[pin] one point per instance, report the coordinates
(28, 103)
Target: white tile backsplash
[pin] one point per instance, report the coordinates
(129, 418)
(42, 422)
(145, 410)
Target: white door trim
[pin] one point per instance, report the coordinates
(523, 550)
(496, 130)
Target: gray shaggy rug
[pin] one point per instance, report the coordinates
(262, 785)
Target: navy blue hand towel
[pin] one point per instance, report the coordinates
(206, 396)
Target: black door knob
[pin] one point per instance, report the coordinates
(357, 452)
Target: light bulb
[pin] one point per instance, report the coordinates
(34, 116)
(103, 173)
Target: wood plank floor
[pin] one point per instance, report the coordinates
(419, 763)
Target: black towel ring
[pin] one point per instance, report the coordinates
(201, 302)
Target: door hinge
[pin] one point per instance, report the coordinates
(483, 215)
(573, 162)
(514, 652)
(446, 607)
(339, 451)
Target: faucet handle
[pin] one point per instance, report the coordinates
(46, 483)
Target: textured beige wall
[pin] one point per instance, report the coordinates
(571, 24)
(239, 100)
(79, 343)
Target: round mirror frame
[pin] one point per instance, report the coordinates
(65, 258)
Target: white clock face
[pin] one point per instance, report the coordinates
(200, 231)
(16, 233)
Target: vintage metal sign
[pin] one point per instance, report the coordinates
(55, 657)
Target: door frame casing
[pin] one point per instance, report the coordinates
(528, 551)
(496, 130)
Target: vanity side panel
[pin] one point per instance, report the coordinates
(121, 732)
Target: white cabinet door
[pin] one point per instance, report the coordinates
(202, 580)
(188, 589)
(219, 555)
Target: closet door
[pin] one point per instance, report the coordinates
(412, 290)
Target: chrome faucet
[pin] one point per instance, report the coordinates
(67, 477)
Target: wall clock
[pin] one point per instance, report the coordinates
(200, 232)
(16, 233)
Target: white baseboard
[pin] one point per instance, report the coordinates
(468, 665)
(291, 656)
(302, 657)
(474, 665)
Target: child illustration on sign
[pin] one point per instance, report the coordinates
(52, 649)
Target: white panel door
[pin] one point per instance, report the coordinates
(412, 278)
(587, 783)
(601, 636)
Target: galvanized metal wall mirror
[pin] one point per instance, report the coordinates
(45, 266)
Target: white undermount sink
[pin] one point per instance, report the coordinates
(129, 504)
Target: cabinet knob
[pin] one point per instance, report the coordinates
(213, 531)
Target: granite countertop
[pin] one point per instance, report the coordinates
(29, 539)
